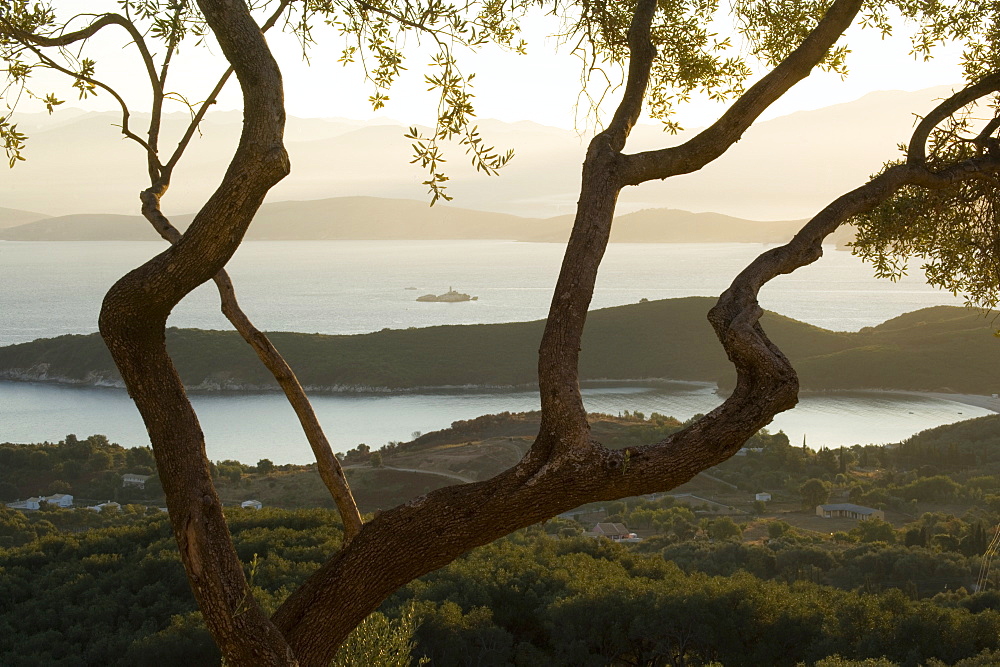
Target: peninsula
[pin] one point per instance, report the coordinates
(940, 349)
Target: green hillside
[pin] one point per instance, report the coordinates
(935, 349)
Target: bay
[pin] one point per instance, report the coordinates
(343, 287)
(248, 427)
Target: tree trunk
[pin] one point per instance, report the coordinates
(133, 320)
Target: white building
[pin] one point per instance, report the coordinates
(59, 500)
(29, 504)
(616, 532)
(763, 497)
(849, 511)
(251, 504)
(131, 479)
(109, 505)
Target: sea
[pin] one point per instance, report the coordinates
(347, 287)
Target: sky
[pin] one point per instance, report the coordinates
(542, 87)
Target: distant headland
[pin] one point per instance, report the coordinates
(944, 349)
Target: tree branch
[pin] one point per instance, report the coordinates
(712, 142)
(32, 41)
(917, 149)
(985, 137)
(126, 114)
(329, 467)
(210, 100)
(103, 21)
(641, 56)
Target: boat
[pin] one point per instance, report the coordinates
(451, 296)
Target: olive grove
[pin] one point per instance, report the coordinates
(667, 51)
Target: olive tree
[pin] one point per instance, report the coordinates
(667, 51)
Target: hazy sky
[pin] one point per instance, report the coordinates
(542, 86)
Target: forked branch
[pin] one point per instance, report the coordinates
(330, 470)
(716, 139)
(917, 148)
(607, 170)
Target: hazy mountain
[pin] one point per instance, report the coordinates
(784, 168)
(375, 218)
(339, 218)
(665, 225)
(83, 227)
(11, 217)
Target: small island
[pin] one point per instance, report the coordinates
(451, 296)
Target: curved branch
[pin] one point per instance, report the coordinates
(985, 137)
(126, 114)
(32, 41)
(65, 39)
(329, 467)
(641, 56)
(713, 141)
(606, 170)
(103, 21)
(917, 150)
(564, 419)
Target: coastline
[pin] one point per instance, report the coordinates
(976, 400)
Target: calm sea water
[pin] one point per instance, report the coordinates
(361, 286)
(251, 427)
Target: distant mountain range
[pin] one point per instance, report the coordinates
(372, 218)
(782, 169)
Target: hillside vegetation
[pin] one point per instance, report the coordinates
(935, 349)
(750, 584)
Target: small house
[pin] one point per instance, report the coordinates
(29, 504)
(616, 532)
(763, 497)
(251, 504)
(131, 479)
(848, 511)
(59, 500)
(749, 450)
(109, 505)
